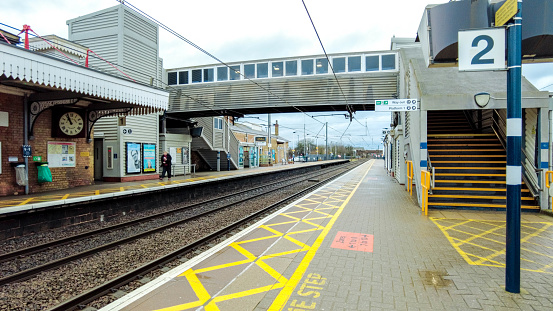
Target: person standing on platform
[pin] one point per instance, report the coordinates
(166, 165)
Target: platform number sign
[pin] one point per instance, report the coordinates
(482, 49)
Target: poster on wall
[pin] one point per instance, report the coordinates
(133, 158)
(185, 159)
(61, 154)
(149, 158)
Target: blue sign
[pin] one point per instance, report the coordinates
(27, 153)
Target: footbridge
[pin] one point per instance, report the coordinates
(292, 84)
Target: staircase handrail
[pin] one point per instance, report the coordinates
(432, 171)
(529, 169)
(425, 183)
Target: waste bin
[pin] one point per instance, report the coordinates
(44, 173)
(20, 176)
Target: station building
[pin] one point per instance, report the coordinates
(458, 134)
(48, 108)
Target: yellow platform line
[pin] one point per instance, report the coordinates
(497, 168)
(466, 156)
(472, 162)
(472, 174)
(286, 292)
(480, 205)
(475, 189)
(493, 197)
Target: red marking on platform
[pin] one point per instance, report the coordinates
(354, 241)
(372, 178)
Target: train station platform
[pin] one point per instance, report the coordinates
(102, 190)
(360, 243)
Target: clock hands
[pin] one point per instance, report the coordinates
(69, 119)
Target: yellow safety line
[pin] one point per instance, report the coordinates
(121, 188)
(199, 290)
(290, 286)
(26, 201)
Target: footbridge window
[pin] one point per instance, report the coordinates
(222, 73)
(249, 71)
(183, 77)
(322, 66)
(292, 68)
(339, 64)
(354, 63)
(277, 69)
(172, 78)
(372, 63)
(196, 76)
(235, 72)
(389, 62)
(263, 70)
(306, 67)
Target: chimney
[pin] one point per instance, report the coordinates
(276, 128)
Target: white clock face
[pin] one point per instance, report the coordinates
(71, 123)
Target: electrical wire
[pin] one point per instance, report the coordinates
(348, 107)
(128, 69)
(171, 31)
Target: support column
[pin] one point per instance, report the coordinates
(218, 161)
(514, 142)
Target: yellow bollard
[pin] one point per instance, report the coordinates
(547, 182)
(425, 183)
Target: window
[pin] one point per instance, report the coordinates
(222, 73)
(339, 64)
(292, 68)
(196, 76)
(388, 62)
(171, 78)
(209, 75)
(263, 70)
(183, 77)
(322, 66)
(277, 69)
(372, 63)
(354, 63)
(249, 71)
(218, 123)
(235, 72)
(307, 67)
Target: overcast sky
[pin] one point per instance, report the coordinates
(242, 30)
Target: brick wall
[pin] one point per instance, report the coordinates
(12, 140)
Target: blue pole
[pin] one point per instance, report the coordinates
(514, 140)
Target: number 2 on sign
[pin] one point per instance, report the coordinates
(477, 59)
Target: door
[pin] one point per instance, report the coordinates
(98, 158)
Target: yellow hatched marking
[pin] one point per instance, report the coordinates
(65, 196)
(286, 292)
(199, 290)
(481, 260)
(26, 201)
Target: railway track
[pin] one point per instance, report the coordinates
(194, 213)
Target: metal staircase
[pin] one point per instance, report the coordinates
(469, 165)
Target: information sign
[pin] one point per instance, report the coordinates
(61, 154)
(387, 105)
(482, 49)
(506, 12)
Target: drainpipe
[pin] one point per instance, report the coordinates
(26, 137)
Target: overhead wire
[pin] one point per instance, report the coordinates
(171, 31)
(128, 69)
(348, 107)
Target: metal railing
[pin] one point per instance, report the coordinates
(547, 174)
(432, 172)
(410, 175)
(425, 183)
